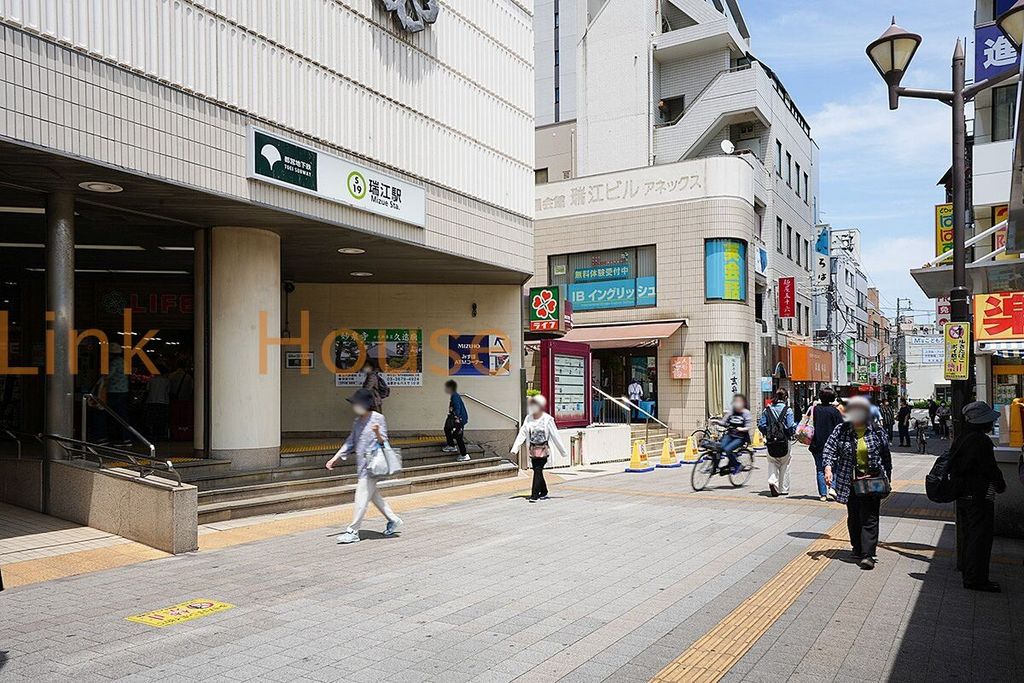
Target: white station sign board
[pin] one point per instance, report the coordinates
(272, 159)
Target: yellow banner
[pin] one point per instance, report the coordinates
(999, 316)
(958, 351)
(943, 228)
(176, 614)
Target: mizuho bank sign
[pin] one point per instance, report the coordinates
(414, 15)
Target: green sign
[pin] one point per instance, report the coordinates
(545, 309)
(397, 351)
(284, 162)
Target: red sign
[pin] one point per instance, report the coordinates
(943, 311)
(787, 297)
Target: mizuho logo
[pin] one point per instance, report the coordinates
(414, 15)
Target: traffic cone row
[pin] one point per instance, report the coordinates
(639, 461)
(669, 457)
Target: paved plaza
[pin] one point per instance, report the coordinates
(625, 577)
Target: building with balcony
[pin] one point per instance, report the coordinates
(842, 318)
(669, 101)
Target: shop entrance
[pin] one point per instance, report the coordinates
(613, 370)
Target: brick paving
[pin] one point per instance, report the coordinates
(613, 579)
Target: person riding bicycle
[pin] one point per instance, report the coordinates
(739, 425)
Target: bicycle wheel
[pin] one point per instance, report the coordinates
(746, 459)
(702, 472)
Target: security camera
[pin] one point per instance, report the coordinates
(289, 286)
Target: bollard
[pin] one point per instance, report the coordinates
(669, 457)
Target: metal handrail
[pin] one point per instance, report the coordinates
(13, 437)
(505, 415)
(700, 95)
(89, 399)
(104, 454)
(626, 401)
(970, 243)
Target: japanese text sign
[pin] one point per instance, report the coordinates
(787, 297)
(993, 53)
(999, 316)
(545, 309)
(943, 228)
(958, 351)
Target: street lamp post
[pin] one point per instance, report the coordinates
(891, 54)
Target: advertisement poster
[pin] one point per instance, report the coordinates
(725, 270)
(545, 309)
(479, 355)
(943, 311)
(570, 387)
(787, 297)
(933, 356)
(681, 367)
(999, 316)
(732, 380)
(958, 351)
(993, 52)
(943, 228)
(398, 351)
(596, 296)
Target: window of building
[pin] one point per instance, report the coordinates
(778, 235)
(540, 176)
(778, 157)
(725, 270)
(789, 241)
(807, 191)
(671, 108)
(799, 318)
(799, 255)
(798, 180)
(807, 254)
(1004, 111)
(789, 169)
(807, 321)
(789, 324)
(608, 279)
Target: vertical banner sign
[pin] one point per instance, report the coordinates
(943, 311)
(732, 380)
(787, 297)
(993, 52)
(958, 351)
(943, 228)
(545, 309)
(734, 265)
(1000, 214)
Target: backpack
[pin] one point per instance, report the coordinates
(382, 387)
(776, 436)
(939, 484)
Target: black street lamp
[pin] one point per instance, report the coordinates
(891, 54)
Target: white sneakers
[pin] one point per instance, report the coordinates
(348, 537)
(450, 449)
(464, 458)
(392, 527)
(831, 493)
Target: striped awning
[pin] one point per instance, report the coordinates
(1003, 349)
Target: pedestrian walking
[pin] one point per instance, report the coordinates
(778, 426)
(113, 390)
(933, 410)
(903, 421)
(979, 479)
(825, 417)
(369, 432)
(538, 432)
(456, 421)
(373, 381)
(943, 416)
(857, 460)
(888, 418)
(635, 391)
(158, 404)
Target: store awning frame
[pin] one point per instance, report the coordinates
(625, 336)
(1004, 349)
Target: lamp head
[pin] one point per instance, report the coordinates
(1011, 23)
(891, 54)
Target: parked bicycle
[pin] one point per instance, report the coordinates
(709, 464)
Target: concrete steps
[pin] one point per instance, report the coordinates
(307, 494)
(318, 457)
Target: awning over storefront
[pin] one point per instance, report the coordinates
(624, 336)
(1005, 349)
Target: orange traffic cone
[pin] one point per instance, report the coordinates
(669, 457)
(690, 454)
(639, 462)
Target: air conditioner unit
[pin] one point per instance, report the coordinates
(746, 131)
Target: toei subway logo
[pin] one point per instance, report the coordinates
(414, 15)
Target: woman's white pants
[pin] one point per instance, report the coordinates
(367, 491)
(778, 472)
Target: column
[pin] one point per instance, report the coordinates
(60, 310)
(245, 404)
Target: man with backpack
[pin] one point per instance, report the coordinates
(778, 426)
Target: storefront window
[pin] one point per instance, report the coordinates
(725, 270)
(726, 375)
(1004, 106)
(609, 279)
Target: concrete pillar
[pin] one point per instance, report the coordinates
(60, 305)
(245, 404)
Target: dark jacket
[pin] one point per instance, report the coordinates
(457, 409)
(841, 455)
(974, 464)
(826, 419)
(903, 417)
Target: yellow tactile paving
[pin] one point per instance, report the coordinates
(81, 562)
(334, 444)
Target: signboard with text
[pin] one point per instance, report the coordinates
(999, 316)
(993, 52)
(596, 296)
(943, 311)
(398, 352)
(479, 355)
(289, 164)
(565, 381)
(787, 297)
(943, 228)
(958, 351)
(545, 306)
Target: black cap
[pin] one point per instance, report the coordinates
(363, 398)
(980, 413)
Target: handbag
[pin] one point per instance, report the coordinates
(805, 430)
(378, 464)
(876, 486)
(393, 458)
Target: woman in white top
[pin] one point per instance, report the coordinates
(369, 432)
(539, 432)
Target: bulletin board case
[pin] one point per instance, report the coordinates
(565, 382)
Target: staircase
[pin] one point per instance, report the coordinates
(302, 483)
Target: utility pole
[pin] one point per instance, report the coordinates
(900, 349)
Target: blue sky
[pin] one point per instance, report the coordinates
(879, 168)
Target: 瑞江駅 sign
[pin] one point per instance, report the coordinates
(274, 160)
(943, 228)
(958, 351)
(413, 15)
(545, 306)
(999, 316)
(479, 355)
(398, 353)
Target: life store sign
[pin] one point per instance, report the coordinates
(297, 167)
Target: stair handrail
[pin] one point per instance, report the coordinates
(103, 454)
(693, 103)
(626, 401)
(502, 413)
(94, 401)
(13, 437)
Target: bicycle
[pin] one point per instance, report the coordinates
(712, 430)
(711, 456)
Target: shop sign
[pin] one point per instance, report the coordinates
(787, 297)
(297, 360)
(398, 352)
(933, 356)
(176, 614)
(925, 341)
(993, 52)
(288, 164)
(943, 311)
(681, 367)
(611, 271)
(958, 351)
(943, 228)
(631, 189)
(545, 309)
(999, 316)
(479, 355)
(1000, 214)
(761, 265)
(565, 380)
(873, 370)
(732, 380)
(596, 296)
(725, 270)
(414, 15)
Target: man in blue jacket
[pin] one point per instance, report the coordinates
(455, 423)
